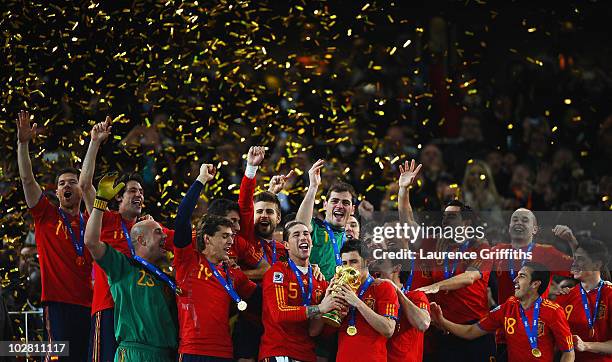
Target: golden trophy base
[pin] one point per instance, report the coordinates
(332, 319)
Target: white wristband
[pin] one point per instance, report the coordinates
(250, 171)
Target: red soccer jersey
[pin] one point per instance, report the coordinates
(245, 255)
(468, 303)
(406, 345)
(204, 305)
(368, 344)
(112, 234)
(556, 262)
(553, 330)
(247, 226)
(284, 316)
(577, 320)
(62, 279)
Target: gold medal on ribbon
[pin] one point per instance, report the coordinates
(242, 306)
(351, 330)
(536, 352)
(592, 332)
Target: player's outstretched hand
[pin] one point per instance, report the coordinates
(106, 191)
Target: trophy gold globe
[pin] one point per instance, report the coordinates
(345, 275)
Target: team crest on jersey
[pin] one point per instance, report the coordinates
(541, 326)
(278, 278)
(369, 301)
(318, 294)
(601, 313)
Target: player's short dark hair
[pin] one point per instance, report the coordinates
(267, 196)
(209, 225)
(353, 245)
(467, 213)
(64, 171)
(222, 207)
(288, 227)
(541, 273)
(340, 186)
(125, 178)
(595, 250)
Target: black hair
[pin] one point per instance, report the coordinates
(209, 225)
(467, 213)
(288, 226)
(267, 196)
(222, 207)
(595, 250)
(541, 273)
(65, 171)
(130, 177)
(340, 186)
(353, 245)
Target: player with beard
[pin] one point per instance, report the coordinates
(146, 323)
(587, 306)
(293, 300)
(522, 229)
(328, 235)
(532, 324)
(116, 226)
(460, 286)
(259, 217)
(59, 233)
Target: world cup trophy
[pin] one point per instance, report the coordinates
(345, 275)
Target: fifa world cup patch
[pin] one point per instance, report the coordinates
(278, 278)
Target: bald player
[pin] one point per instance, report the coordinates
(146, 325)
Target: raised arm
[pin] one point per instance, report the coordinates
(105, 192)
(418, 317)
(247, 190)
(306, 209)
(277, 182)
(408, 174)
(182, 225)
(459, 281)
(99, 134)
(25, 133)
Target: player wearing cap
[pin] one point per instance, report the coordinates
(59, 232)
(533, 326)
(145, 307)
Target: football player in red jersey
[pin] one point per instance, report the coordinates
(407, 341)
(116, 226)
(522, 228)
(460, 286)
(533, 326)
(293, 299)
(59, 232)
(373, 311)
(587, 306)
(209, 286)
